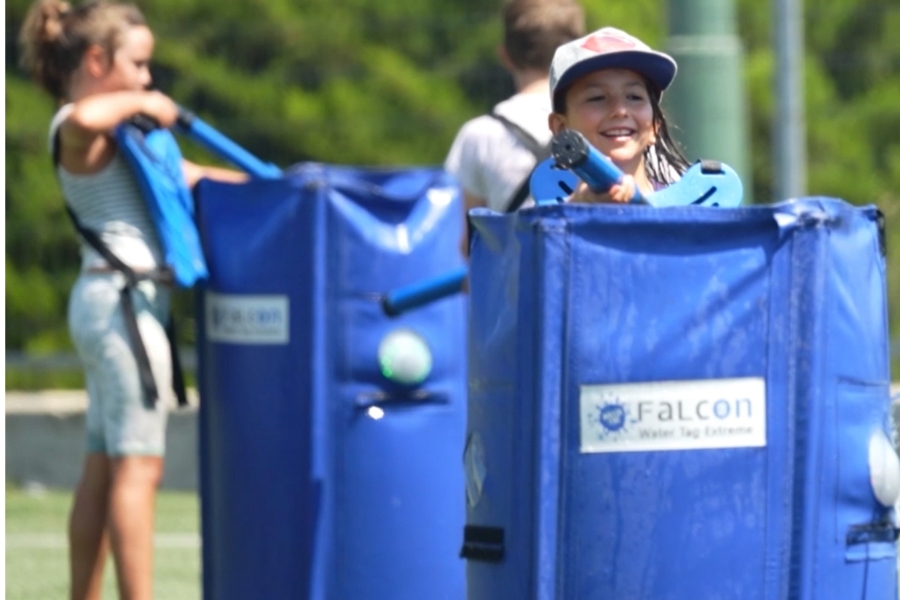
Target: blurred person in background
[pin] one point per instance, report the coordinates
(94, 60)
(493, 155)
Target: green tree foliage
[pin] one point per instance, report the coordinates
(852, 79)
(41, 248)
(852, 89)
(389, 83)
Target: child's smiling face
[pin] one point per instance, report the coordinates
(613, 110)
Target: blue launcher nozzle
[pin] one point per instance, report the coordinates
(208, 137)
(572, 151)
(424, 292)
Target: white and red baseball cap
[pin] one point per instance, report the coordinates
(608, 48)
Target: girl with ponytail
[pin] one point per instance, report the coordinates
(94, 60)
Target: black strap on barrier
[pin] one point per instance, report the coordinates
(483, 543)
(866, 533)
(539, 151)
(178, 385)
(162, 276)
(882, 531)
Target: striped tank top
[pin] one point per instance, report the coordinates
(110, 203)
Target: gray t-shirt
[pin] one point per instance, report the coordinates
(488, 159)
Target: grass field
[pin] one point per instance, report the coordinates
(37, 554)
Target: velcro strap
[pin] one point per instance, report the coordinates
(865, 533)
(483, 543)
(177, 371)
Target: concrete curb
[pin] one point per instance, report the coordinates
(45, 440)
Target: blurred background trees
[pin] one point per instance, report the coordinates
(389, 83)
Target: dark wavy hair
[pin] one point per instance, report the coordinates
(665, 162)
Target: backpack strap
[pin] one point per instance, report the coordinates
(539, 151)
(163, 276)
(518, 199)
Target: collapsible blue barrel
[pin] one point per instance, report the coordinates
(679, 404)
(331, 435)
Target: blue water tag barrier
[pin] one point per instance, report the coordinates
(682, 403)
(331, 435)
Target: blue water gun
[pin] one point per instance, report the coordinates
(706, 183)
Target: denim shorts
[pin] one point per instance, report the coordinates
(120, 419)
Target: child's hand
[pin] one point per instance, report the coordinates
(623, 192)
(161, 108)
(619, 193)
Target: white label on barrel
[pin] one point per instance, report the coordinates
(247, 319)
(673, 415)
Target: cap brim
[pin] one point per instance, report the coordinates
(657, 67)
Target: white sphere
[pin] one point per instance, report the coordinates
(404, 357)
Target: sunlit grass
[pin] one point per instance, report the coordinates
(37, 555)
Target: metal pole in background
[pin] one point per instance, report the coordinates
(707, 100)
(789, 126)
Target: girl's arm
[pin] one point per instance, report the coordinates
(85, 140)
(194, 173)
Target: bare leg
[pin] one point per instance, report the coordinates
(87, 529)
(132, 502)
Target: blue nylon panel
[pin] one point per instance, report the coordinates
(551, 284)
(305, 495)
(792, 293)
(854, 370)
(260, 494)
(496, 413)
(692, 305)
(400, 487)
(781, 424)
